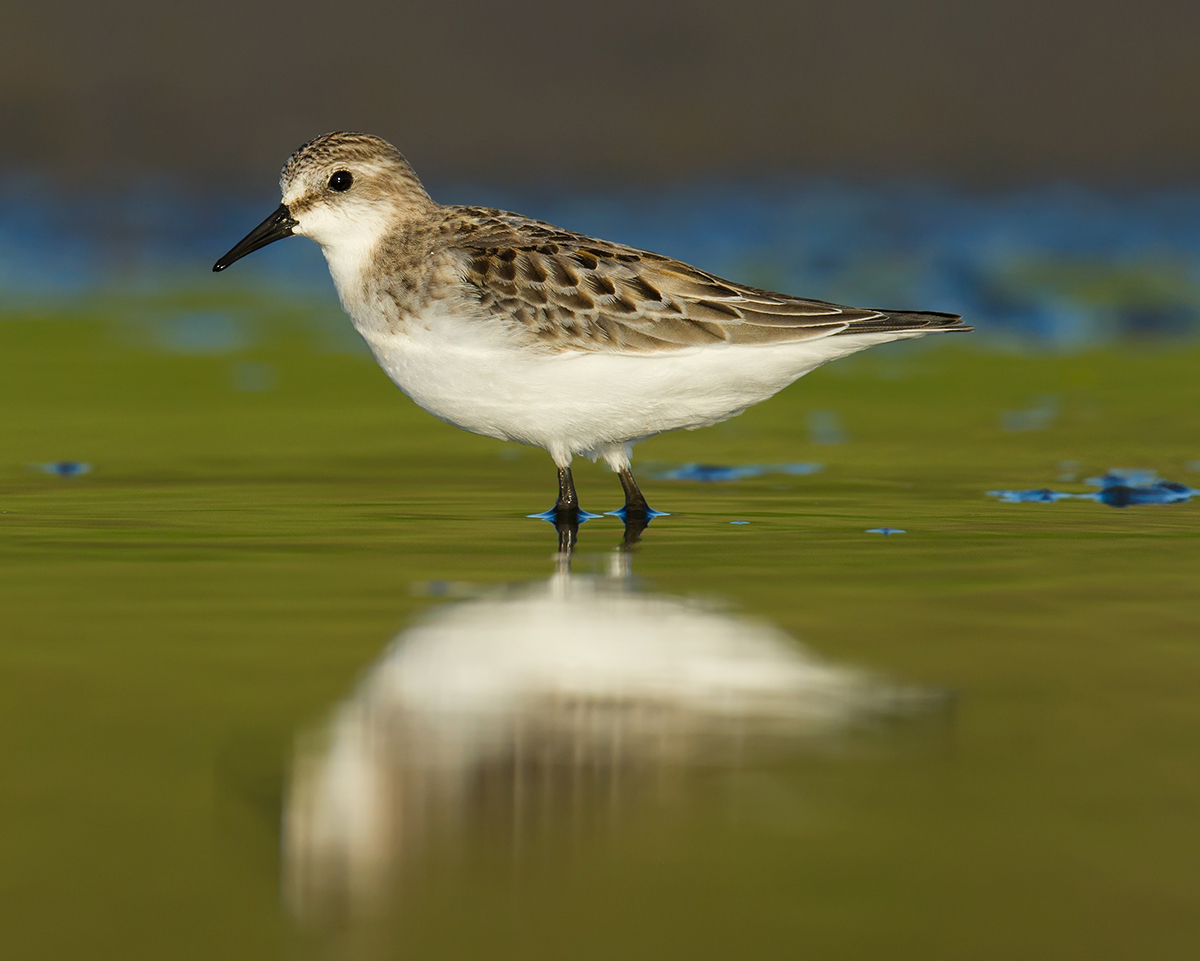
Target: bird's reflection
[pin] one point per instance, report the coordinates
(526, 705)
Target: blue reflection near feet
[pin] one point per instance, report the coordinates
(552, 516)
(650, 513)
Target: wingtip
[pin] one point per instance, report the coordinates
(917, 321)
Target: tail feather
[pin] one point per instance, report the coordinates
(886, 321)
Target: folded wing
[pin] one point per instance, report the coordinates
(566, 291)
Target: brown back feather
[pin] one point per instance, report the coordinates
(571, 292)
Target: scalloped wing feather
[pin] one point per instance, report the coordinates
(566, 291)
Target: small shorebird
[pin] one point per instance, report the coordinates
(517, 329)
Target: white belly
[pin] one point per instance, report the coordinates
(587, 402)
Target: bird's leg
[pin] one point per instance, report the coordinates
(636, 513)
(566, 512)
(635, 503)
(568, 500)
(565, 515)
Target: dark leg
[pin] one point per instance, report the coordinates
(568, 501)
(636, 513)
(565, 515)
(635, 503)
(566, 512)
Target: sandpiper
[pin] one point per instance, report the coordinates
(517, 329)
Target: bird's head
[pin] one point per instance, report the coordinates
(344, 190)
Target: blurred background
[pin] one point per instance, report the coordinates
(1033, 165)
(873, 689)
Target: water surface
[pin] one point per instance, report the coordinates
(289, 673)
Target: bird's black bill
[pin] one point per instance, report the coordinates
(275, 227)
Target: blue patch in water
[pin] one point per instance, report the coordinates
(717, 473)
(1118, 488)
(1130, 478)
(64, 468)
(1040, 495)
(709, 473)
(1124, 495)
(885, 531)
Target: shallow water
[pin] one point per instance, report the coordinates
(289, 673)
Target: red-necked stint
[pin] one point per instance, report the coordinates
(517, 329)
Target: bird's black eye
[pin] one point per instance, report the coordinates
(341, 181)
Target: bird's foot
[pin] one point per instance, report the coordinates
(636, 518)
(644, 513)
(566, 521)
(564, 515)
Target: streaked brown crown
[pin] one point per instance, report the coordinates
(352, 149)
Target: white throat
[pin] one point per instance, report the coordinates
(349, 239)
